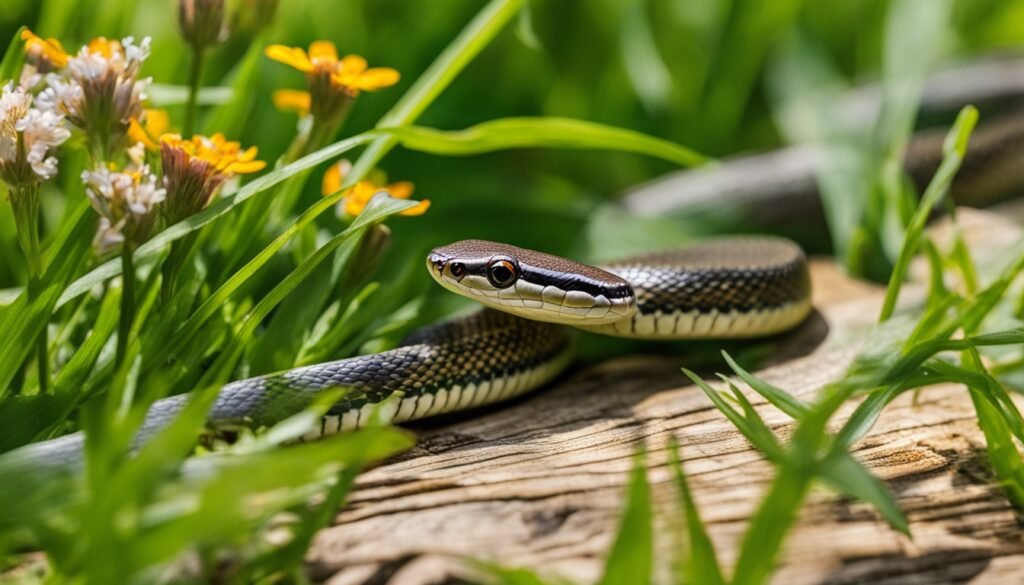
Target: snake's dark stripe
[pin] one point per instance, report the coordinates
(728, 288)
(473, 351)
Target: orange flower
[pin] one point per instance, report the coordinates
(194, 170)
(42, 50)
(333, 81)
(357, 197)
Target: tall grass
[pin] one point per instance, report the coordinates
(278, 280)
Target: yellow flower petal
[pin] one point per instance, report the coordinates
(419, 209)
(323, 51)
(292, 100)
(291, 56)
(104, 46)
(157, 122)
(400, 190)
(334, 176)
(353, 65)
(352, 206)
(378, 78)
(50, 49)
(136, 133)
(244, 168)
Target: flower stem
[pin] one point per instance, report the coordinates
(25, 205)
(195, 79)
(172, 266)
(127, 303)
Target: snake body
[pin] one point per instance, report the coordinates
(736, 287)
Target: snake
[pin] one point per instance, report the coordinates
(732, 287)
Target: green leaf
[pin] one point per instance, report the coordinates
(752, 427)
(954, 149)
(14, 58)
(214, 504)
(850, 477)
(1003, 453)
(508, 133)
(230, 117)
(631, 558)
(781, 399)
(283, 337)
(865, 416)
(473, 38)
(25, 418)
(25, 319)
(379, 208)
(699, 564)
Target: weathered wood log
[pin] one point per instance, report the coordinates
(540, 482)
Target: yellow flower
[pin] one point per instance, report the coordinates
(357, 197)
(333, 81)
(40, 50)
(194, 169)
(292, 100)
(355, 76)
(155, 124)
(223, 155)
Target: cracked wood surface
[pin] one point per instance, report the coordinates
(539, 482)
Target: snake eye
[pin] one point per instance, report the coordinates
(458, 269)
(502, 273)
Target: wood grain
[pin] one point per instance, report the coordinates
(540, 482)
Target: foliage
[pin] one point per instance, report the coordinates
(272, 278)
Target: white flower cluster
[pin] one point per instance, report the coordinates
(99, 89)
(28, 136)
(126, 201)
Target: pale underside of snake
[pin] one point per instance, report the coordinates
(728, 288)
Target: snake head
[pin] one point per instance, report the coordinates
(531, 284)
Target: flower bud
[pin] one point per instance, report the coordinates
(202, 22)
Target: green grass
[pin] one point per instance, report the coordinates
(579, 113)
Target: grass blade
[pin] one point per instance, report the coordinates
(26, 320)
(379, 208)
(752, 431)
(699, 564)
(473, 38)
(954, 149)
(631, 558)
(507, 133)
(14, 58)
(850, 477)
(781, 399)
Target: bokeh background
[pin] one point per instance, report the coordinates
(699, 73)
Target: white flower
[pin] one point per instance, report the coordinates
(42, 131)
(99, 91)
(126, 201)
(28, 137)
(134, 54)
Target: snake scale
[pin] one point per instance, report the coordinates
(726, 288)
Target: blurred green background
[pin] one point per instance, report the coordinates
(694, 72)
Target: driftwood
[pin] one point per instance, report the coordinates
(540, 482)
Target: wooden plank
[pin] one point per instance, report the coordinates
(539, 482)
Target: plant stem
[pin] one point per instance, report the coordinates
(127, 303)
(176, 259)
(195, 79)
(25, 205)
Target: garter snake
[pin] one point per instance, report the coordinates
(726, 288)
